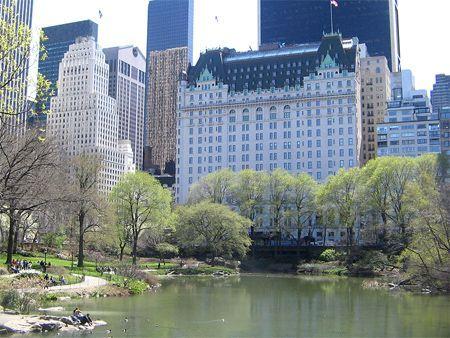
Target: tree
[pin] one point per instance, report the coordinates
(16, 50)
(87, 205)
(165, 251)
(248, 193)
(144, 205)
(278, 198)
(214, 187)
(302, 200)
(400, 173)
(375, 181)
(428, 251)
(121, 229)
(340, 195)
(30, 175)
(212, 229)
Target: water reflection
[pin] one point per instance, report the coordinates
(272, 306)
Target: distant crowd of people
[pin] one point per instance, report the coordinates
(20, 265)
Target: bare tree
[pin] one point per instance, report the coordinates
(87, 204)
(29, 166)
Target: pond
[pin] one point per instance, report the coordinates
(270, 306)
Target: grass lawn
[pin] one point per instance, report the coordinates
(88, 269)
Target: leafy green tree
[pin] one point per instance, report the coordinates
(214, 187)
(144, 205)
(340, 195)
(400, 172)
(428, 251)
(16, 50)
(212, 229)
(165, 251)
(302, 200)
(278, 194)
(374, 186)
(248, 193)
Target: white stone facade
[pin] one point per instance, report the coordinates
(314, 128)
(84, 119)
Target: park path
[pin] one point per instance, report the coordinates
(88, 283)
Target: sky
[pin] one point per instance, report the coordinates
(425, 46)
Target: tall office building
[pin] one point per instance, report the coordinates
(59, 38)
(375, 92)
(169, 51)
(84, 117)
(166, 68)
(14, 94)
(297, 108)
(410, 127)
(170, 25)
(127, 86)
(440, 95)
(374, 22)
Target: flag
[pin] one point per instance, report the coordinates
(100, 14)
(334, 3)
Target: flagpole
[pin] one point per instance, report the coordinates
(331, 17)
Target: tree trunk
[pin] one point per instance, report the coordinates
(122, 248)
(81, 240)
(134, 253)
(12, 226)
(16, 240)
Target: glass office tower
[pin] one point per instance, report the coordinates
(170, 25)
(374, 22)
(59, 38)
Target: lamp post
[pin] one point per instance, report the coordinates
(45, 256)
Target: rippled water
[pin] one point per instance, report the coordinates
(270, 306)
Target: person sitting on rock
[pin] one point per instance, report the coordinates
(83, 319)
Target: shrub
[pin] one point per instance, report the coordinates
(329, 255)
(21, 302)
(56, 270)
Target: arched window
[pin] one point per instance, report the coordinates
(287, 108)
(245, 111)
(273, 108)
(232, 111)
(259, 110)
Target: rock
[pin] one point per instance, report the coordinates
(426, 291)
(63, 298)
(52, 309)
(392, 285)
(51, 326)
(68, 321)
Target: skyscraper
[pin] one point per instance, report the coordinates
(59, 38)
(440, 95)
(170, 25)
(84, 117)
(375, 23)
(14, 88)
(169, 51)
(165, 70)
(375, 92)
(127, 86)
